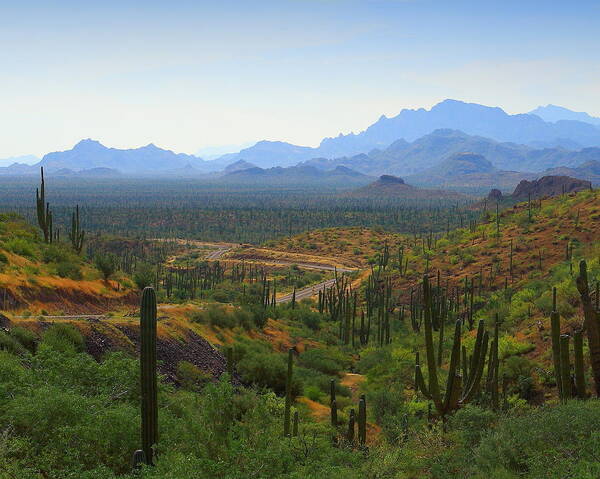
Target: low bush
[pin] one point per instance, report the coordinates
(22, 247)
(25, 337)
(69, 270)
(64, 338)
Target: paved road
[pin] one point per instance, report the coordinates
(219, 252)
(307, 292)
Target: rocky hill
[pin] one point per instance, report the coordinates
(549, 186)
(395, 187)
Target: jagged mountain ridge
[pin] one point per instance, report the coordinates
(404, 158)
(90, 154)
(409, 125)
(466, 170)
(554, 113)
(295, 175)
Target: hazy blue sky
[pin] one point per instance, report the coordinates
(190, 74)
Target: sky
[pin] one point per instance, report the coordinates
(191, 75)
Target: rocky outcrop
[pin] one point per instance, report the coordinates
(495, 195)
(549, 186)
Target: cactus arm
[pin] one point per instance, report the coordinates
(434, 387)
(579, 368)
(591, 324)
(419, 381)
(476, 373)
(565, 367)
(454, 382)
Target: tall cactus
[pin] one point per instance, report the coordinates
(459, 390)
(579, 368)
(44, 215)
(148, 373)
(76, 234)
(288, 394)
(350, 433)
(333, 403)
(565, 368)
(295, 425)
(591, 323)
(362, 421)
(555, 335)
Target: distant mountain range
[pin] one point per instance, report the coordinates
(588, 171)
(25, 159)
(90, 154)
(409, 125)
(403, 158)
(555, 113)
(295, 176)
(417, 144)
(466, 170)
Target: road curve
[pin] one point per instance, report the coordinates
(306, 292)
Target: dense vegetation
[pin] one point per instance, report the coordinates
(193, 209)
(488, 397)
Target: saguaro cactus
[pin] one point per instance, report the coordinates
(76, 234)
(350, 433)
(579, 368)
(591, 323)
(565, 368)
(458, 390)
(555, 335)
(148, 373)
(295, 425)
(44, 215)
(362, 421)
(288, 394)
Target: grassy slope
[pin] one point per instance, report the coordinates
(36, 276)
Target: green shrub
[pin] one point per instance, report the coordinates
(22, 247)
(25, 337)
(544, 443)
(3, 261)
(267, 370)
(472, 422)
(69, 270)
(144, 275)
(326, 361)
(10, 344)
(191, 377)
(64, 338)
(56, 253)
(106, 264)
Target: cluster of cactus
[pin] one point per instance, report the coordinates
(149, 403)
(192, 280)
(340, 302)
(269, 292)
(353, 420)
(76, 234)
(402, 261)
(561, 358)
(591, 322)
(460, 388)
(445, 304)
(379, 306)
(44, 214)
